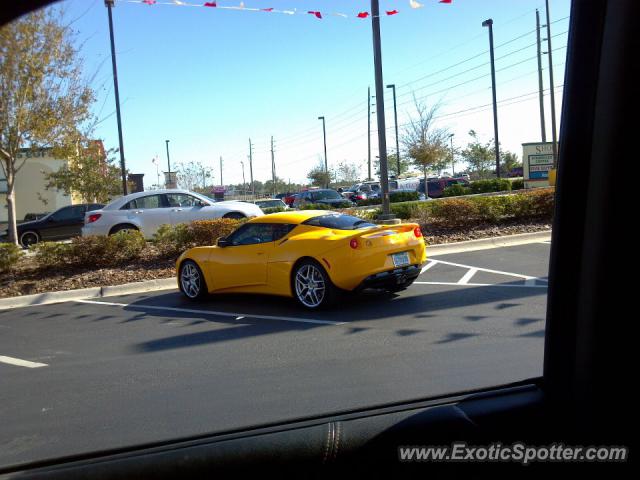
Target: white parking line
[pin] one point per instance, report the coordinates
(212, 312)
(488, 270)
(456, 284)
(427, 266)
(21, 363)
(467, 276)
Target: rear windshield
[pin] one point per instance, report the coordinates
(338, 221)
(325, 195)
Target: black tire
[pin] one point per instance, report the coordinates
(402, 286)
(323, 293)
(120, 228)
(191, 281)
(234, 215)
(28, 238)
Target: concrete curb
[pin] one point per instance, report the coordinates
(487, 243)
(84, 293)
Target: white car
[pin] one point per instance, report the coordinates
(146, 211)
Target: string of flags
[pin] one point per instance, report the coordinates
(414, 4)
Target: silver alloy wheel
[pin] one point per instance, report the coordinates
(28, 238)
(190, 280)
(310, 286)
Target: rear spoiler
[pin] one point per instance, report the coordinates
(400, 228)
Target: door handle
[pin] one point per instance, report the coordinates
(260, 253)
(176, 210)
(138, 211)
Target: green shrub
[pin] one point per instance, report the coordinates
(404, 210)
(10, 253)
(456, 190)
(517, 184)
(323, 206)
(172, 240)
(396, 197)
(492, 185)
(52, 254)
(269, 210)
(95, 250)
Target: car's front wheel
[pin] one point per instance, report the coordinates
(29, 238)
(191, 281)
(312, 287)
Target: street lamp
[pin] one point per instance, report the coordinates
(395, 116)
(109, 4)
(489, 23)
(453, 163)
(324, 133)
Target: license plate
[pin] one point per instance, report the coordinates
(400, 259)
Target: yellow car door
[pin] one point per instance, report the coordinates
(244, 261)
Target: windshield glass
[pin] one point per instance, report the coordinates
(326, 195)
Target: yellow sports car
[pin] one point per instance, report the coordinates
(308, 255)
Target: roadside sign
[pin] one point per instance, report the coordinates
(218, 189)
(537, 160)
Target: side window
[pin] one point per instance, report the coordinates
(69, 213)
(129, 205)
(280, 230)
(181, 200)
(151, 201)
(252, 234)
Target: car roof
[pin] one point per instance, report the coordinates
(295, 217)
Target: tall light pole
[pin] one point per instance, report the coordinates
(326, 165)
(221, 181)
(382, 137)
(109, 4)
(489, 23)
(369, 133)
(453, 162)
(244, 183)
(554, 133)
(543, 129)
(253, 191)
(395, 117)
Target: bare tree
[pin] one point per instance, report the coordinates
(43, 96)
(425, 143)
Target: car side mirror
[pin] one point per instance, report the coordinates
(223, 242)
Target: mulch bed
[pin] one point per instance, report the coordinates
(27, 279)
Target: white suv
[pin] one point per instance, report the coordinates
(146, 211)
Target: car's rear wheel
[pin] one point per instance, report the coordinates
(312, 287)
(191, 281)
(234, 215)
(29, 238)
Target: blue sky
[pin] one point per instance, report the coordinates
(208, 79)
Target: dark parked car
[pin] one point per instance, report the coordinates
(322, 196)
(437, 186)
(29, 217)
(64, 223)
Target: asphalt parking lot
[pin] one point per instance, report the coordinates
(94, 375)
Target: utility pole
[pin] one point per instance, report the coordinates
(369, 131)
(168, 165)
(253, 190)
(109, 4)
(453, 162)
(395, 116)
(326, 165)
(489, 23)
(244, 182)
(273, 168)
(221, 182)
(554, 133)
(382, 132)
(543, 129)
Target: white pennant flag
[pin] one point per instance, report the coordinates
(414, 4)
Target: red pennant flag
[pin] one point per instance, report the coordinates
(392, 12)
(363, 14)
(317, 14)
(445, 1)
(149, 2)
(210, 4)
(267, 9)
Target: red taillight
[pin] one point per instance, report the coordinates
(417, 232)
(93, 217)
(353, 243)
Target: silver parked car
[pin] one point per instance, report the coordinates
(146, 211)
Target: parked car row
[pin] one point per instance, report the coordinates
(142, 211)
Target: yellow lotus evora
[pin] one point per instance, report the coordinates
(308, 255)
